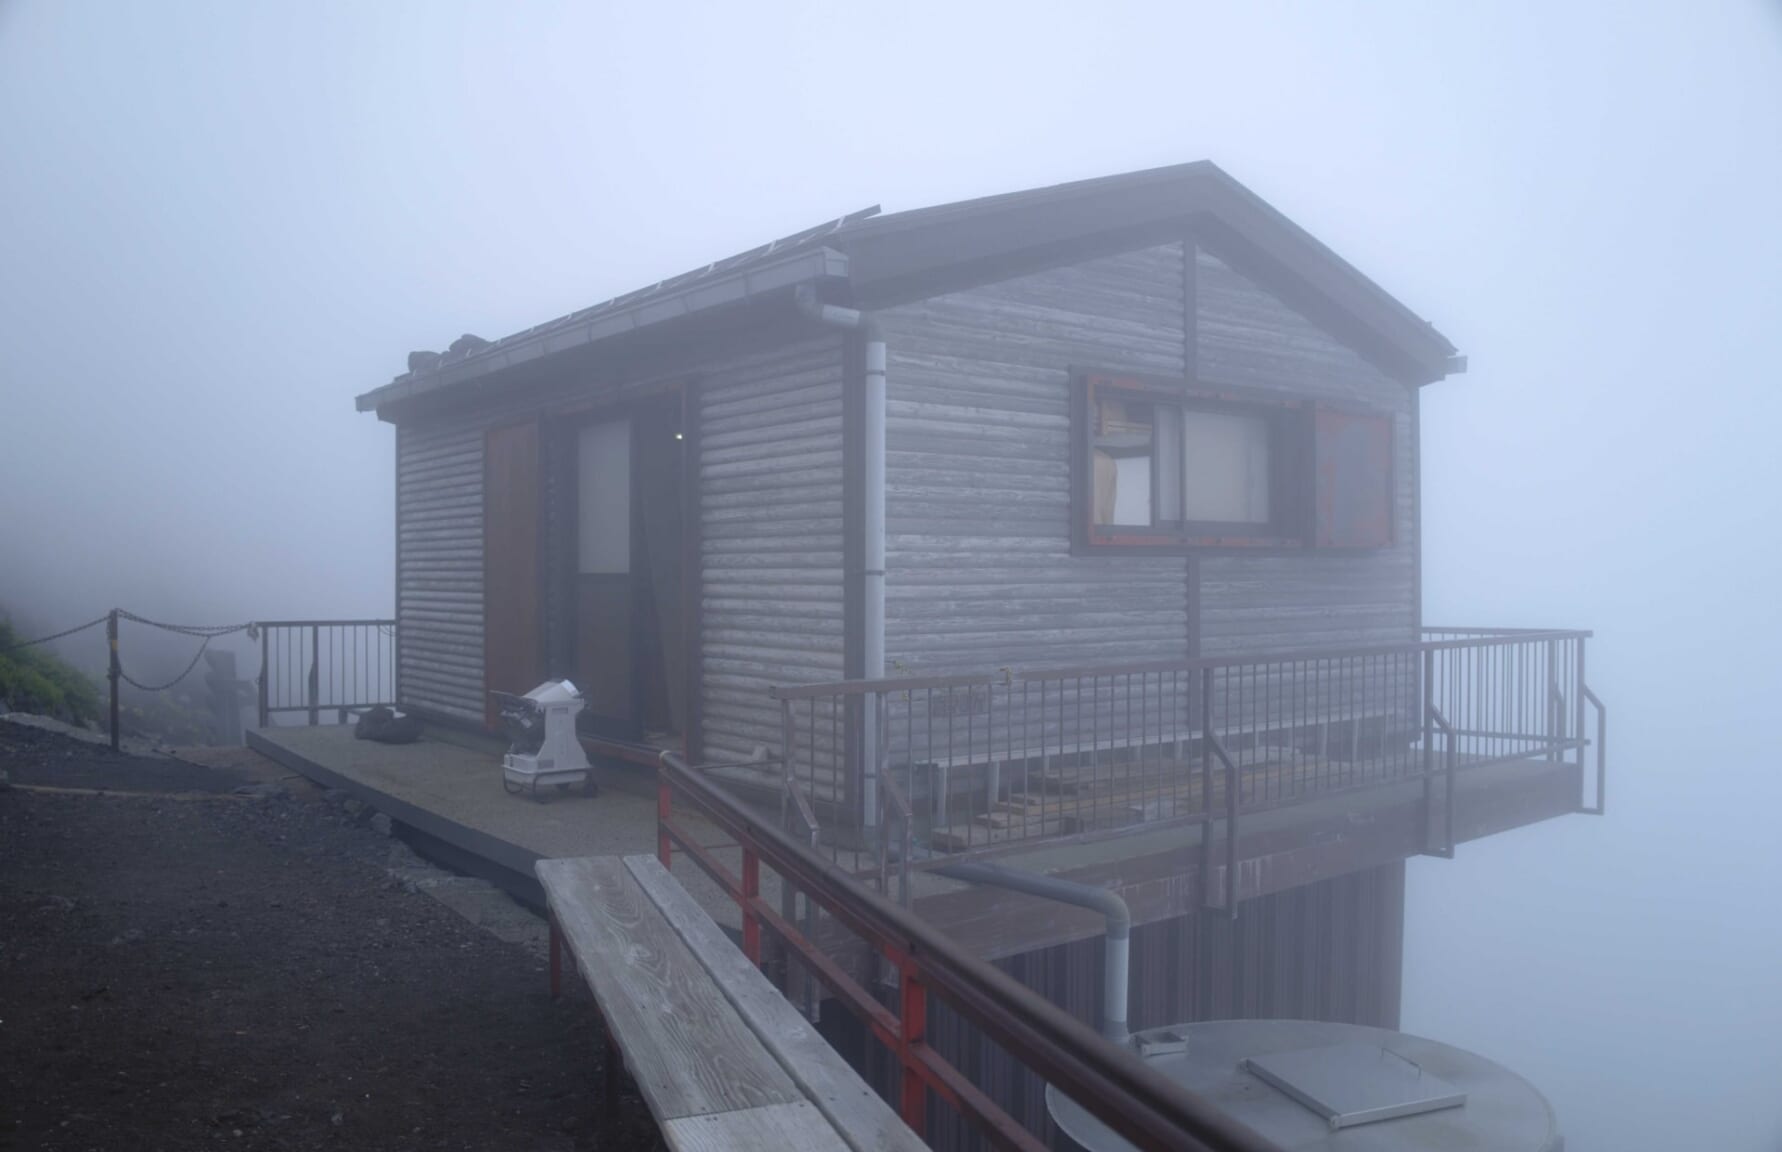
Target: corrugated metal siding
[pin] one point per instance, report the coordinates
(978, 471)
(770, 509)
(439, 568)
(1326, 951)
(1246, 336)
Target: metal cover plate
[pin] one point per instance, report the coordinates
(1352, 1084)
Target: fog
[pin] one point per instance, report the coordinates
(218, 223)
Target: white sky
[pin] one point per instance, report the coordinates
(219, 222)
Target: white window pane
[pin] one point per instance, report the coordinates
(1169, 465)
(1122, 461)
(1225, 468)
(603, 497)
(1132, 492)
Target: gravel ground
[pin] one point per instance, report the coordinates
(207, 969)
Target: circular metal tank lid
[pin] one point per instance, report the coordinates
(1319, 1063)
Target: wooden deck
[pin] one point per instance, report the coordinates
(452, 795)
(449, 791)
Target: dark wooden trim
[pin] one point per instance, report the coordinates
(500, 643)
(1416, 515)
(1193, 580)
(853, 542)
(853, 495)
(396, 630)
(692, 573)
(1190, 306)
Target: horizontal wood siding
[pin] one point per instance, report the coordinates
(1247, 336)
(439, 568)
(979, 570)
(770, 509)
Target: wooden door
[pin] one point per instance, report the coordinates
(513, 654)
(605, 667)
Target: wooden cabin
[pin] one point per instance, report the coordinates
(1121, 549)
(658, 496)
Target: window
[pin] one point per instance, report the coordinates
(603, 505)
(1166, 464)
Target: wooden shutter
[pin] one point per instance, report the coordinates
(513, 654)
(1353, 497)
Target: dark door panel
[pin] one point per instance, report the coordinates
(513, 657)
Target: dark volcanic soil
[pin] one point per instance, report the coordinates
(217, 971)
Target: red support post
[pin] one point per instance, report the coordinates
(751, 921)
(912, 1029)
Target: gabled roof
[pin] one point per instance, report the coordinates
(876, 260)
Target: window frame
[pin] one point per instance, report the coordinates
(1290, 481)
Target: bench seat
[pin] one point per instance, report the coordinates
(720, 1056)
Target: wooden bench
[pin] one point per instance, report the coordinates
(720, 1056)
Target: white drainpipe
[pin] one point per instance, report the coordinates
(872, 516)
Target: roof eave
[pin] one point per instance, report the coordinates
(703, 296)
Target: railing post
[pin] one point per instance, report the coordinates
(1231, 837)
(1206, 787)
(1555, 707)
(751, 920)
(786, 737)
(1428, 738)
(664, 812)
(265, 685)
(313, 687)
(912, 1029)
(111, 636)
(1579, 702)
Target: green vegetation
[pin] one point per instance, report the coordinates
(32, 680)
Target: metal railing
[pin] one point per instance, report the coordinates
(970, 764)
(326, 667)
(1110, 1081)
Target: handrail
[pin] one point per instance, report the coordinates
(1449, 759)
(1231, 819)
(1602, 747)
(1198, 664)
(368, 622)
(1115, 1085)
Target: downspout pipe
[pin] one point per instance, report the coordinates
(872, 516)
(1117, 949)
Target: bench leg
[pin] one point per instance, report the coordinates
(556, 960)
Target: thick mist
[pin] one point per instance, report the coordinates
(218, 223)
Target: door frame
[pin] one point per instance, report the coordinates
(687, 390)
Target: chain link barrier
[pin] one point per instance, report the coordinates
(57, 636)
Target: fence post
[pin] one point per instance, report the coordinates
(112, 674)
(265, 700)
(912, 1029)
(1579, 702)
(313, 687)
(1428, 740)
(751, 920)
(1206, 786)
(664, 809)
